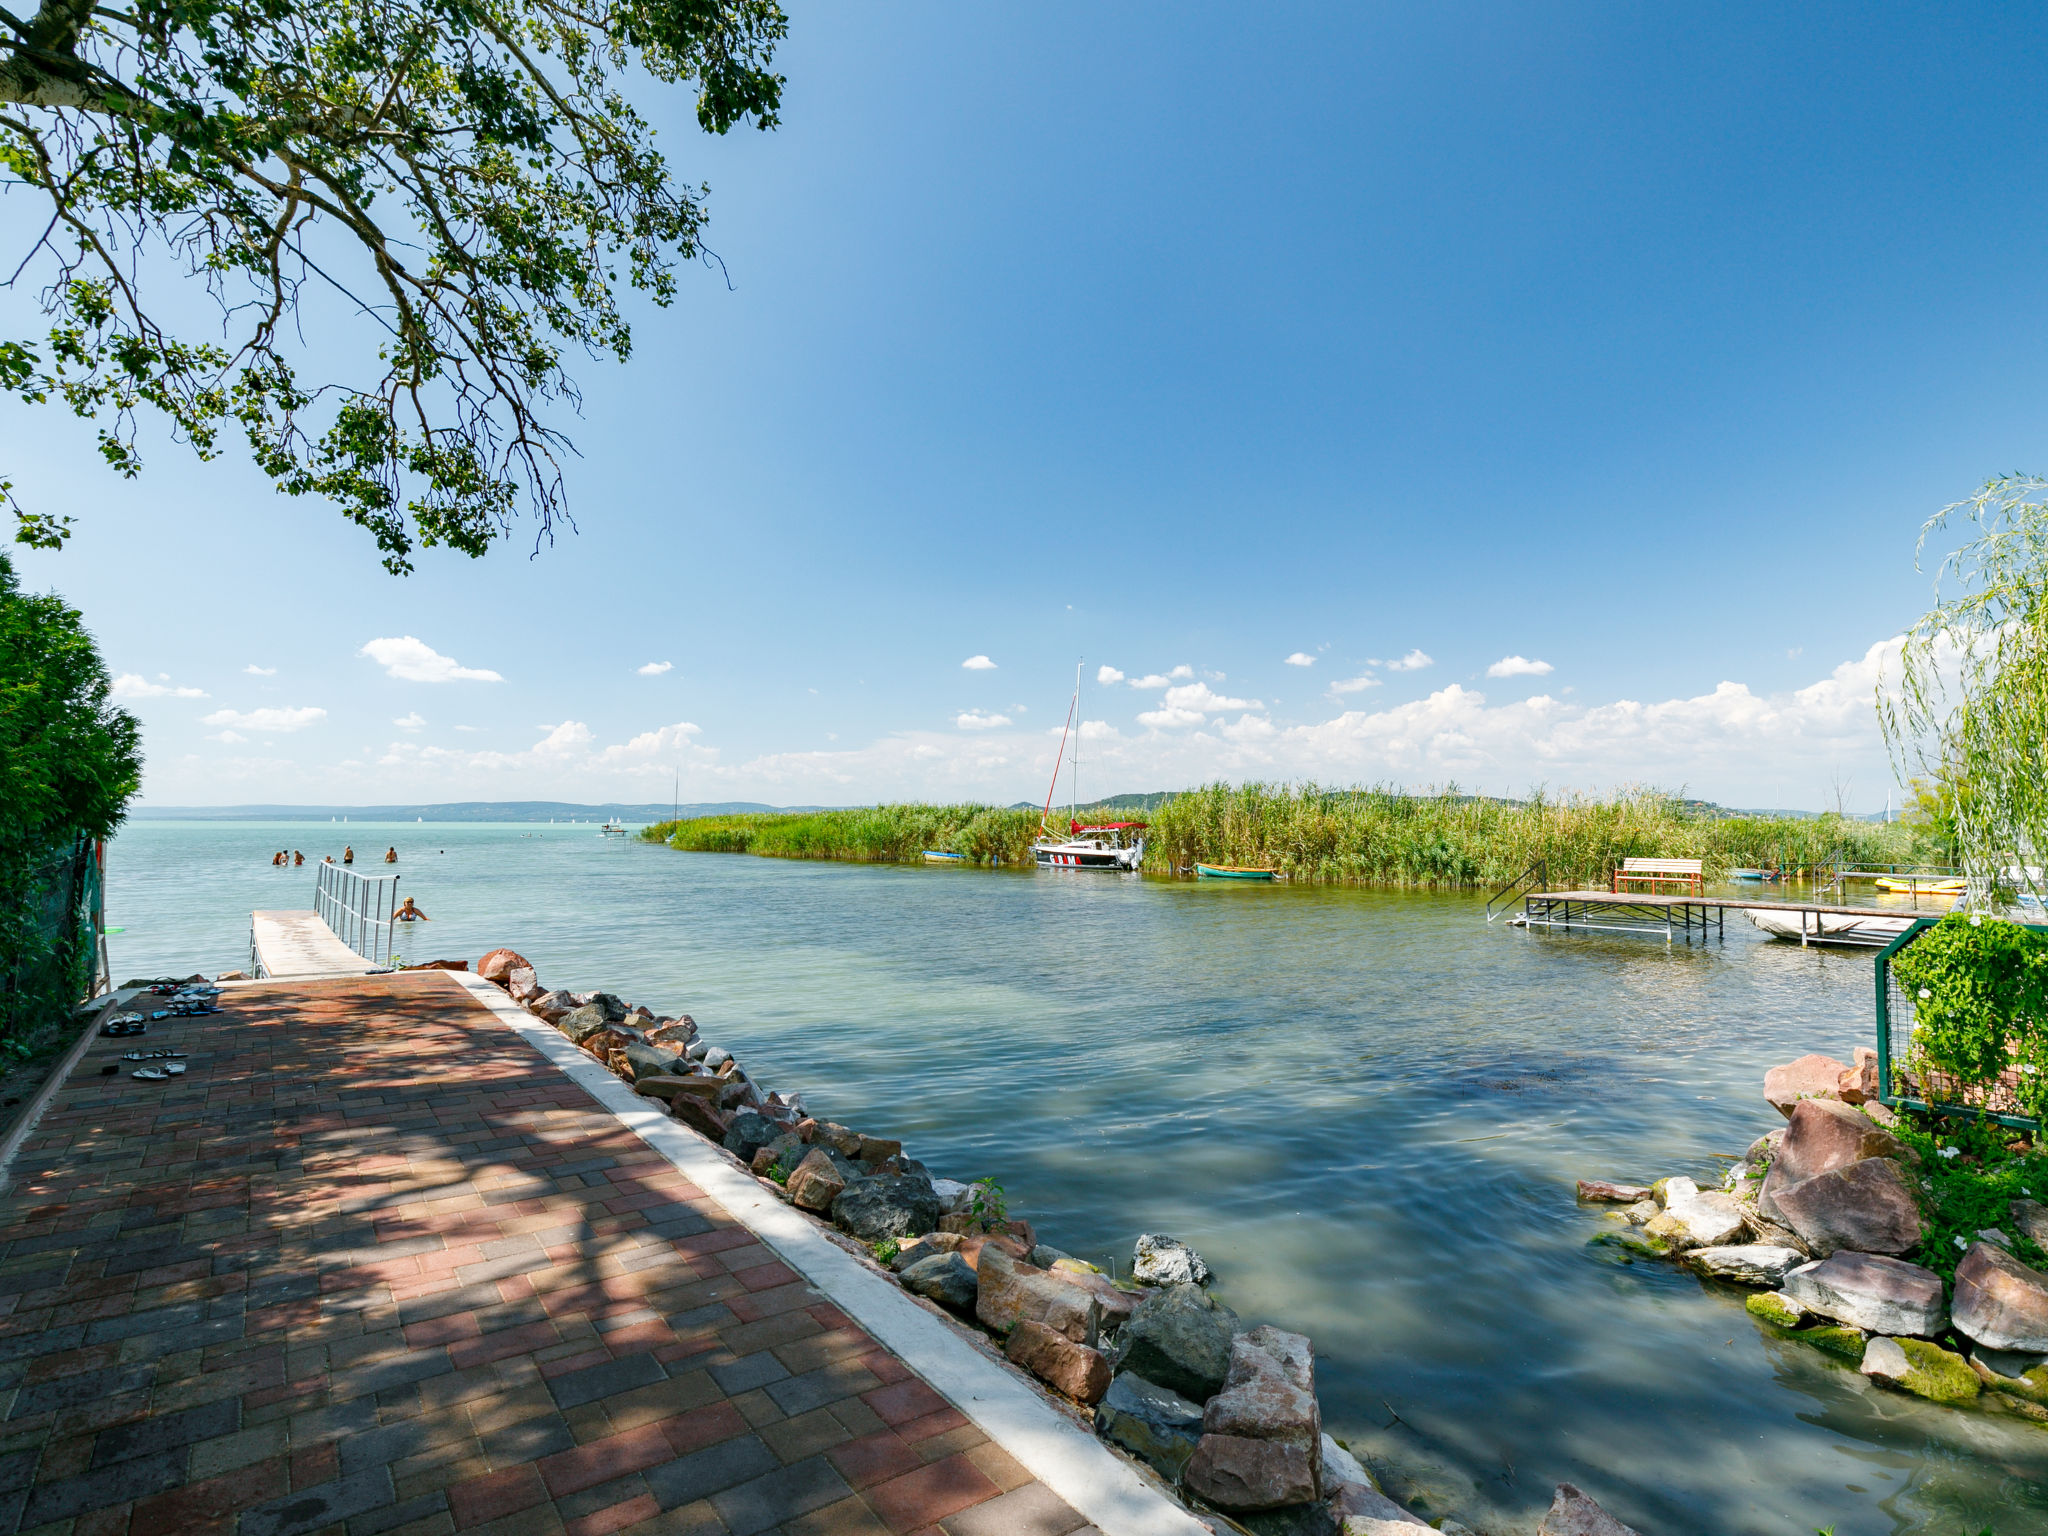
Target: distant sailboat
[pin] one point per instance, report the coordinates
(1118, 845)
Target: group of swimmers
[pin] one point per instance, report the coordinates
(292, 857)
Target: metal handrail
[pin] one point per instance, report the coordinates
(1536, 876)
(359, 909)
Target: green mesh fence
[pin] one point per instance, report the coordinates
(54, 935)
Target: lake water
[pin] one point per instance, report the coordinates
(1366, 1109)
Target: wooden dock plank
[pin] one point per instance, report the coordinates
(298, 945)
(1730, 903)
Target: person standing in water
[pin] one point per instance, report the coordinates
(390, 855)
(408, 913)
(297, 857)
(348, 854)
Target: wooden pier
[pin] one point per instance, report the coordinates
(1684, 915)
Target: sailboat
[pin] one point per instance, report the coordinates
(1116, 845)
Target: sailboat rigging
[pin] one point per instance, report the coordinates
(1116, 845)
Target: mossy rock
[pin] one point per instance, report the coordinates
(1937, 1374)
(1846, 1342)
(1631, 1245)
(1775, 1309)
(2033, 1386)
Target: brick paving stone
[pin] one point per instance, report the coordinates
(1033, 1510)
(375, 1267)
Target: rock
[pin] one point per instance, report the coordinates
(551, 1006)
(1765, 1148)
(1702, 1221)
(650, 1061)
(947, 1279)
(1858, 1083)
(579, 1024)
(1849, 1343)
(972, 1244)
(498, 965)
(2031, 1217)
(1114, 1308)
(1012, 1292)
(953, 1195)
(1180, 1338)
(1269, 1393)
(1642, 1213)
(1763, 1230)
(1867, 1207)
(523, 984)
(750, 1131)
(614, 1009)
(1810, 1077)
(873, 1149)
(699, 1116)
(431, 965)
(785, 1154)
(872, 1209)
(696, 1051)
(1236, 1474)
(1148, 1419)
(1777, 1309)
(2018, 1375)
(1993, 1235)
(656, 1087)
(1572, 1513)
(1161, 1260)
(715, 1056)
(1872, 1292)
(1360, 1507)
(1341, 1467)
(1821, 1137)
(910, 1249)
(1317, 1519)
(1624, 1194)
(1924, 1369)
(1678, 1187)
(2000, 1302)
(1074, 1369)
(1633, 1245)
(837, 1137)
(1746, 1263)
(1045, 1256)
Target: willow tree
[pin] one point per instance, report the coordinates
(1967, 706)
(446, 196)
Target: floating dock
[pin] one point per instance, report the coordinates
(1677, 916)
(297, 946)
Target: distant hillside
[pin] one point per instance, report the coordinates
(459, 810)
(1150, 802)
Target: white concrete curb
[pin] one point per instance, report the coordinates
(25, 1125)
(1059, 1453)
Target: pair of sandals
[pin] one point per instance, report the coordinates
(167, 1065)
(125, 1024)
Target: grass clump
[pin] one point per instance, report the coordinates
(1969, 1174)
(875, 834)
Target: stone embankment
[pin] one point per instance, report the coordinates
(1819, 1214)
(1222, 1412)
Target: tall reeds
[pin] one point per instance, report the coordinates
(1350, 837)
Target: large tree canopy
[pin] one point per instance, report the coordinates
(466, 178)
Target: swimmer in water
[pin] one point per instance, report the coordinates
(348, 855)
(408, 913)
(390, 855)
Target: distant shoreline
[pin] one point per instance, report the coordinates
(460, 810)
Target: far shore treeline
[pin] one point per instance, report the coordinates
(1356, 836)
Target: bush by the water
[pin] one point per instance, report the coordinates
(1314, 835)
(69, 761)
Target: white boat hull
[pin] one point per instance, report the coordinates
(1081, 855)
(1876, 930)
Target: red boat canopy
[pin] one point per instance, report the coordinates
(1107, 826)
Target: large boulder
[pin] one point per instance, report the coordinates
(1746, 1263)
(1924, 1369)
(1152, 1421)
(816, 1182)
(1606, 1189)
(947, 1279)
(749, 1133)
(1573, 1513)
(1821, 1136)
(650, 1061)
(900, 1205)
(1693, 1220)
(1238, 1474)
(1013, 1292)
(1870, 1291)
(1859, 1079)
(1157, 1259)
(499, 964)
(700, 1116)
(1269, 1393)
(1180, 1337)
(1075, 1369)
(2000, 1302)
(1810, 1077)
(551, 1006)
(579, 1024)
(1867, 1207)
(2031, 1217)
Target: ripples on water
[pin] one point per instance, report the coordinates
(1366, 1109)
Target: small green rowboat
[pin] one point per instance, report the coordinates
(1232, 872)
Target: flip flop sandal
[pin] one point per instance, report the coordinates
(151, 1074)
(154, 1056)
(161, 1013)
(174, 1069)
(118, 1028)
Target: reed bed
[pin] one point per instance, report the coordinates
(1378, 837)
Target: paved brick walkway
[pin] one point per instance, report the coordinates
(374, 1267)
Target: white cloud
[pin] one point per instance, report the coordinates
(410, 722)
(414, 661)
(1107, 675)
(469, 727)
(1414, 661)
(266, 719)
(978, 664)
(1357, 684)
(1301, 659)
(255, 671)
(1201, 696)
(1166, 719)
(975, 720)
(133, 685)
(1519, 666)
(655, 668)
(227, 736)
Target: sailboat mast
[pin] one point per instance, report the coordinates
(1074, 783)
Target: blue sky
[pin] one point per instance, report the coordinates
(1628, 342)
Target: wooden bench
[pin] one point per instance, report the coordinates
(1688, 873)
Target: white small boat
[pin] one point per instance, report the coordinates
(1112, 845)
(613, 828)
(1874, 931)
